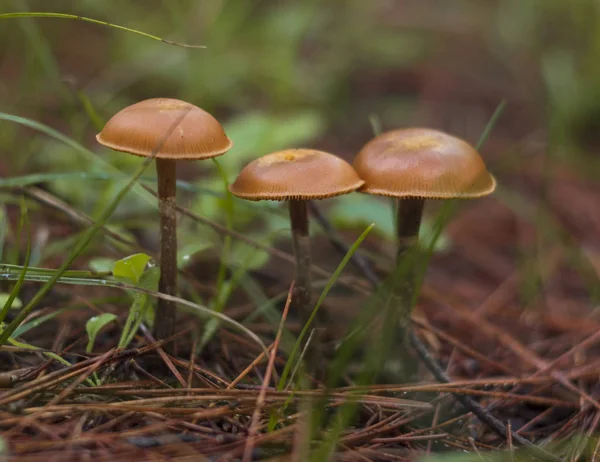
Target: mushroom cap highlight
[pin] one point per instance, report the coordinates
(295, 174)
(422, 163)
(140, 128)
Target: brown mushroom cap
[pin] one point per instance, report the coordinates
(423, 163)
(139, 128)
(295, 174)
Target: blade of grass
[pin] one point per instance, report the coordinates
(290, 362)
(86, 103)
(3, 230)
(94, 21)
(32, 270)
(23, 225)
(220, 298)
(26, 327)
(89, 155)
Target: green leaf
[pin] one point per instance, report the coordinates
(94, 325)
(131, 267)
(139, 310)
(16, 303)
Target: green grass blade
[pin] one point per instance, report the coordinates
(89, 155)
(49, 354)
(90, 110)
(3, 230)
(26, 327)
(6, 268)
(290, 362)
(94, 21)
(220, 298)
(491, 124)
(23, 225)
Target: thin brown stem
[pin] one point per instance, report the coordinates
(164, 325)
(408, 221)
(301, 243)
(409, 212)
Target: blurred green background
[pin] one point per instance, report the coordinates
(281, 74)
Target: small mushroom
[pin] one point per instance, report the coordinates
(416, 164)
(297, 176)
(139, 129)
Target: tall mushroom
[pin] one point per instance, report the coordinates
(139, 129)
(297, 176)
(413, 165)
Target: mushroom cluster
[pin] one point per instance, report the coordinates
(411, 165)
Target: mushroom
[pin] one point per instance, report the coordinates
(416, 164)
(139, 130)
(297, 176)
(412, 165)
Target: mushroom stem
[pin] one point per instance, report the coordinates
(164, 324)
(408, 221)
(301, 244)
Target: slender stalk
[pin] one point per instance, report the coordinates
(301, 243)
(409, 212)
(303, 286)
(164, 325)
